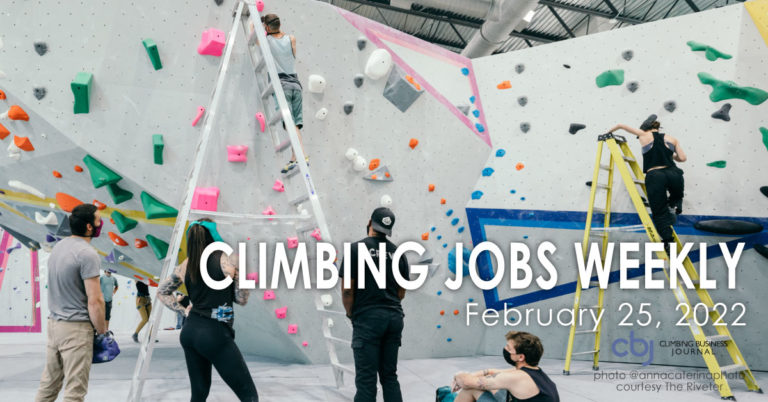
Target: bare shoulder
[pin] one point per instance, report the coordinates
(672, 139)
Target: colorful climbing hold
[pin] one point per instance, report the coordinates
(722, 90)
(512, 191)
(262, 121)
(500, 153)
(439, 237)
(472, 99)
(4, 132)
(212, 42)
(268, 211)
(764, 132)
(200, 112)
(99, 205)
(610, 77)
(269, 295)
(157, 148)
(117, 239)
(449, 212)
(455, 221)
(464, 71)
(504, 85)
(413, 82)
(575, 127)
(455, 312)
(476, 195)
(717, 164)
(439, 326)
(151, 47)
(138, 243)
(17, 113)
(281, 312)
(519, 166)
(432, 229)
(204, 198)
(56, 174)
(278, 186)
(373, 164)
(81, 89)
(78, 169)
(100, 174)
(480, 128)
(476, 113)
(442, 312)
(2, 95)
(488, 171)
(461, 229)
(442, 201)
(439, 292)
(431, 187)
(154, 208)
(23, 143)
(425, 236)
(723, 113)
(293, 328)
(522, 198)
(67, 202)
(449, 340)
(123, 222)
(292, 242)
(710, 53)
(413, 143)
(119, 195)
(316, 234)
(159, 247)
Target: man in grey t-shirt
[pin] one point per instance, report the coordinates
(108, 289)
(77, 307)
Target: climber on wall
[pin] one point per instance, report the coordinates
(660, 151)
(207, 336)
(283, 48)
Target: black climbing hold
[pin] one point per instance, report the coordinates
(218, 2)
(762, 250)
(723, 113)
(463, 108)
(575, 127)
(39, 93)
(670, 106)
(627, 55)
(764, 190)
(632, 86)
(348, 107)
(525, 127)
(589, 183)
(359, 78)
(523, 100)
(728, 226)
(566, 66)
(361, 43)
(646, 125)
(520, 68)
(41, 48)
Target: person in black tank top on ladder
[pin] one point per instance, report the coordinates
(660, 151)
(208, 337)
(526, 382)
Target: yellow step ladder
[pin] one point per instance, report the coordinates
(621, 158)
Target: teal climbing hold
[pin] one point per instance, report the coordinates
(118, 194)
(81, 88)
(445, 245)
(154, 56)
(433, 228)
(717, 164)
(722, 90)
(439, 237)
(476, 195)
(487, 171)
(465, 71)
(472, 99)
(455, 221)
(159, 247)
(479, 127)
(500, 153)
(711, 53)
(157, 146)
(764, 131)
(449, 212)
(610, 77)
(155, 209)
(476, 113)
(100, 174)
(512, 191)
(461, 229)
(123, 222)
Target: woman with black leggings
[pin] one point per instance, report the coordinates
(207, 337)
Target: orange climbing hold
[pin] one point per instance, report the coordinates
(17, 113)
(504, 85)
(455, 312)
(56, 174)
(152, 283)
(112, 221)
(4, 132)
(23, 143)
(413, 143)
(67, 202)
(138, 243)
(78, 169)
(442, 312)
(442, 201)
(2, 95)
(117, 239)
(374, 177)
(413, 82)
(425, 236)
(519, 166)
(431, 187)
(386, 174)
(99, 205)
(138, 277)
(374, 164)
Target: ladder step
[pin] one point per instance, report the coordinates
(589, 352)
(339, 340)
(260, 65)
(638, 181)
(276, 118)
(718, 338)
(283, 146)
(299, 200)
(230, 217)
(603, 186)
(598, 210)
(733, 368)
(344, 367)
(586, 331)
(629, 159)
(605, 167)
(268, 90)
(332, 312)
(592, 307)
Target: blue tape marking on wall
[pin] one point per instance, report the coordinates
(479, 218)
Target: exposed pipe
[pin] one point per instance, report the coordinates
(494, 32)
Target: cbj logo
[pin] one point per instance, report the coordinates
(646, 347)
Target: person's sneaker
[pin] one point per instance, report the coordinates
(289, 166)
(135, 338)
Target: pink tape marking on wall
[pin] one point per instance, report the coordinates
(5, 243)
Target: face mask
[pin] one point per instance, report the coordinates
(97, 230)
(508, 357)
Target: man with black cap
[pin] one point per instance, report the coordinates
(660, 151)
(376, 313)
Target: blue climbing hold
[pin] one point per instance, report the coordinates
(488, 171)
(522, 198)
(512, 191)
(525, 237)
(439, 326)
(479, 127)
(465, 261)
(439, 292)
(477, 195)
(465, 71)
(449, 339)
(445, 245)
(455, 221)
(476, 113)
(449, 212)
(472, 99)
(500, 153)
(439, 237)
(461, 229)
(433, 229)
(471, 300)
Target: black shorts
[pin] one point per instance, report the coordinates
(108, 310)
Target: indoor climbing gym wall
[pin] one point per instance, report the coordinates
(704, 76)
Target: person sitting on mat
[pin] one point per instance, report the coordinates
(524, 382)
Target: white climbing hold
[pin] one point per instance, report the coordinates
(386, 201)
(316, 84)
(326, 299)
(321, 114)
(330, 323)
(351, 154)
(378, 65)
(26, 188)
(52, 205)
(359, 163)
(50, 219)
(14, 155)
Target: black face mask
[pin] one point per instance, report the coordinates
(508, 357)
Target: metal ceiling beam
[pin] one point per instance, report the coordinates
(590, 11)
(449, 20)
(562, 23)
(693, 6)
(610, 5)
(537, 36)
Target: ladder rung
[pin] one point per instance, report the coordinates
(629, 159)
(603, 186)
(268, 90)
(589, 352)
(260, 65)
(276, 118)
(339, 340)
(605, 167)
(592, 307)
(334, 312)
(343, 367)
(598, 210)
(299, 200)
(733, 368)
(229, 217)
(586, 331)
(718, 338)
(638, 181)
(283, 145)
(306, 228)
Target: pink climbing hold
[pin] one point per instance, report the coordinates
(281, 312)
(262, 121)
(269, 295)
(279, 186)
(293, 328)
(237, 153)
(200, 112)
(212, 42)
(305, 344)
(260, 5)
(253, 276)
(205, 198)
(293, 242)
(316, 234)
(269, 211)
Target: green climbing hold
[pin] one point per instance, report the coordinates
(610, 77)
(711, 53)
(81, 88)
(154, 56)
(100, 174)
(722, 90)
(123, 222)
(157, 145)
(154, 209)
(764, 131)
(717, 164)
(159, 247)
(119, 195)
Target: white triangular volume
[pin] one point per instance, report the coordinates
(50, 219)
(26, 188)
